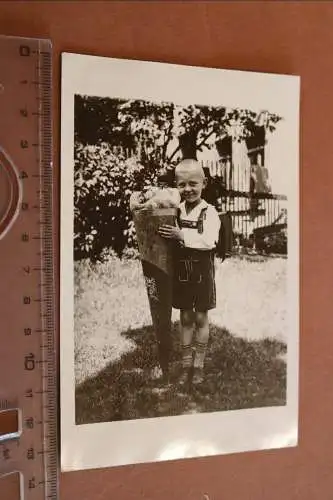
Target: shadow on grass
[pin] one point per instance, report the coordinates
(239, 374)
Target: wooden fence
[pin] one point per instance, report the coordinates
(244, 193)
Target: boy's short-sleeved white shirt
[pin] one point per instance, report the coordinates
(208, 239)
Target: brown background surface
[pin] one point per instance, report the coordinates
(289, 37)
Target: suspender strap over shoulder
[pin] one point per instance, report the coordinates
(198, 224)
(202, 217)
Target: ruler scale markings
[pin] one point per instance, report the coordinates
(31, 60)
(49, 280)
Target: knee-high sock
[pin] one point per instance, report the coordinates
(200, 354)
(187, 356)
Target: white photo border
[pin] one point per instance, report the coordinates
(158, 439)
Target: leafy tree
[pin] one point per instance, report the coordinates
(150, 127)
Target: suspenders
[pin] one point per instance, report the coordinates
(193, 264)
(193, 224)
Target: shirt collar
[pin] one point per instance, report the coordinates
(196, 210)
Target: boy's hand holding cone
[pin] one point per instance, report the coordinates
(171, 232)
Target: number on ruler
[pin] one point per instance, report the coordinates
(25, 237)
(23, 175)
(29, 423)
(25, 206)
(6, 453)
(26, 300)
(29, 393)
(27, 331)
(29, 362)
(24, 112)
(24, 144)
(26, 269)
(31, 454)
(25, 50)
(32, 483)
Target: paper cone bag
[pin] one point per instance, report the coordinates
(156, 257)
(152, 247)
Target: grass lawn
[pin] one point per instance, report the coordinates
(115, 356)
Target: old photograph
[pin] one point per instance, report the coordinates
(182, 219)
(223, 347)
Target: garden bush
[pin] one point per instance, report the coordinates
(103, 183)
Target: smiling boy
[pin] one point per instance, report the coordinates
(194, 291)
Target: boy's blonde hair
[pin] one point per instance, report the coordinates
(189, 164)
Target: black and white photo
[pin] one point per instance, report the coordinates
(179, 279)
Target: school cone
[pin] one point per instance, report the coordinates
(156, 258)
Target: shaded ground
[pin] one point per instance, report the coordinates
(239, 374)
(111, 298)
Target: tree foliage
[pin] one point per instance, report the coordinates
(104, 182)
(148, 126)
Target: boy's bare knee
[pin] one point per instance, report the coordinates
(186, 318)
(201, 319)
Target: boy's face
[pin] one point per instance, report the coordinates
(190, 183)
